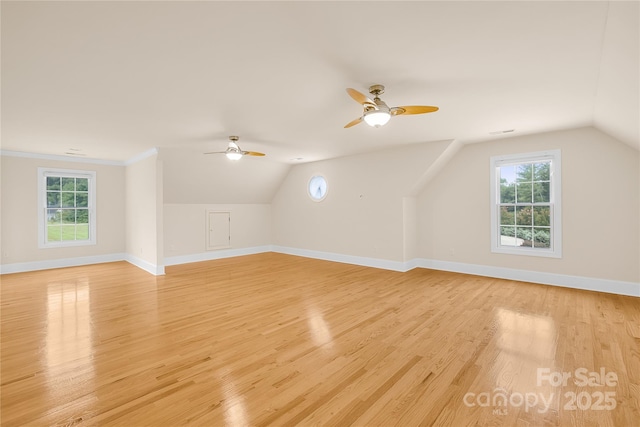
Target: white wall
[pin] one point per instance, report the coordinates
(426, 201)
(600, 188)
(185, 227)
(192, 177)
(194, 182)
(144, 214)
(19, 212)
(363, 213)
(410, 228)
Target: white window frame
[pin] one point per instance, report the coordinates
(555, 249)
(43, 173)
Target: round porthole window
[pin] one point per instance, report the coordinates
(317, 188)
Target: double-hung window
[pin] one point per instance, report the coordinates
(525, 204)
(66, 207)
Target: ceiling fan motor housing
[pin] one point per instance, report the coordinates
(376, 90)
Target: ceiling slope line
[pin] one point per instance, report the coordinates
(434, 169)
(141, 156)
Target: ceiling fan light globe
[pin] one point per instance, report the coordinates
(377, 118)
(233, 155)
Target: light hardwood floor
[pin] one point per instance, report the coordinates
(273, 339)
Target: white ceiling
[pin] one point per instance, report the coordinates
(114, 79)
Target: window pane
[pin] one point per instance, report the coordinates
(68, 200)
(542, 171)
(68, 232)
(507, 236)
(68, 184)
(53, 216)
(541, 192)
(507, 215)
(523, 215)
(82, 184)
(508, 174)
(525, 234)
(53, 183)
(82, 232)
(524, 173)
(53, 200)
(82, 200)
(82, 216)
(542, 237)
(507, 193)
(68, 216)
(54, 233)
(542, 216)
(523, 193)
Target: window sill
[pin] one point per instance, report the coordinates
(545, 253)
(67, 244)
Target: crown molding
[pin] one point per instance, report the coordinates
(60, 158)
(89, 160)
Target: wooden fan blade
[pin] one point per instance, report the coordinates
(216, 152)
(413, 109)
(359, 97)
(252, 153)
(353, 122)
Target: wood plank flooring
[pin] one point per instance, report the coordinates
(278, 340)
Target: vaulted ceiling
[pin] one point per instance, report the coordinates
(111, 80)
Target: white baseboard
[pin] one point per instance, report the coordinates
(411, 264)
(156, 270)
(575, 282)
(553, 279)
(217, 254)
(22, 267)
(346, 259)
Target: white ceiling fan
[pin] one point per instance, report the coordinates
(377, 113)
(234, 152)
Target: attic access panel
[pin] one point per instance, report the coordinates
(218, 230)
